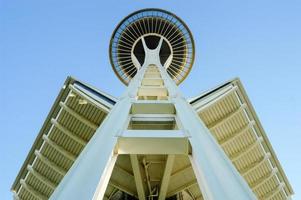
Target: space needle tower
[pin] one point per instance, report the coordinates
(151, 142)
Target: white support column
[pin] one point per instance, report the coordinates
(89, 175)
(216, 175)
(94, 165)
(166, 176)
(105, 178)
(137, 176)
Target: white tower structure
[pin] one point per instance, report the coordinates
(152, 143)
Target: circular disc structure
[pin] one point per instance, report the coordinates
(148, 26)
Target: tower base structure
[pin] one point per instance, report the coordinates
(225, 110)
(128, 130)
(152, 143)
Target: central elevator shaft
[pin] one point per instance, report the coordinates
(152, 85)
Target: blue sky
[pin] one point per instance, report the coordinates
(42, 42)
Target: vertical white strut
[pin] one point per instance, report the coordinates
(89, 175)
(216, 175)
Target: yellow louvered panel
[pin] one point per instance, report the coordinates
(48, 172)
(66, 142)
(231, 123)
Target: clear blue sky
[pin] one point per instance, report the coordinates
(42, 42)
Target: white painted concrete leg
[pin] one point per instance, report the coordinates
(217, 177)
(137, 176)
(105, 178)
(166, 177)
(89, 176)
(92, 168)
(215, 173)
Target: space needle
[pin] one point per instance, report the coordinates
(151, 142)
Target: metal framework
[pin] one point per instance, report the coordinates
(215, 174)
(151, 143)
